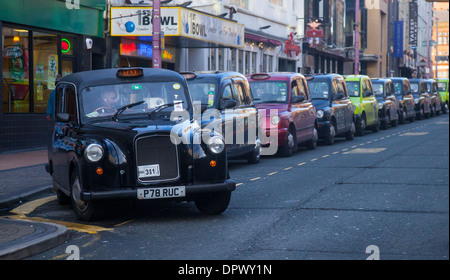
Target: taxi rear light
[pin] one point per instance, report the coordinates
(260, 76)
(130, 73)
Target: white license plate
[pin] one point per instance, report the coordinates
(156, 193)
(147, 171)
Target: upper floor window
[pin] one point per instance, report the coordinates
(277, 2)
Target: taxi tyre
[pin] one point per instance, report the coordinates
(254, 157)
(362, 126)
(350, 135)
(394, 123)
(402, 116)
(61, 197)
(376, 127)
(444, 108)
(332, 134)
(420, 115)
(85, 210)
(291, 144)
(312, 144)
(385, 123)
(213, 203)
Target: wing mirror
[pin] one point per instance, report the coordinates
(227, 104)
(338, 96)
(297, 99)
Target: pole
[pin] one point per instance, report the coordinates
(428, 41)
(156, 44)
(436, 54)
(356, 70)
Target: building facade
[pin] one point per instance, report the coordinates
(440, 54)
(39, 40)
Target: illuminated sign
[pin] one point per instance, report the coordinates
(144, 50)
(130, 73)
(65, 45)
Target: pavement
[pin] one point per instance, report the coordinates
(23, 178)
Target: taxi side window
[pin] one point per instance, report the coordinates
(340, 87)
(228, 94)
(65, 102)
(241, 96)
(406, 86)
(303, 88)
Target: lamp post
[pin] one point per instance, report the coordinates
(156, 44)
(356, 69)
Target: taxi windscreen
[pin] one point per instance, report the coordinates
(269, 91)
(105, 100)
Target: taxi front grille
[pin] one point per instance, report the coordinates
(156, 159)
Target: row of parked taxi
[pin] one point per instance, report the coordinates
(318, 106)
(134, 133)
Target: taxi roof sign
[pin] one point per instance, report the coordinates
(130, 73)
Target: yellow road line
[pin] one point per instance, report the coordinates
(273, 173)
(254, 179)
(302, 163)
(29, 207)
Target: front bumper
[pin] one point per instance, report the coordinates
(130, 193)
(323, 129)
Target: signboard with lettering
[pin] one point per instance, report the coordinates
(127, 21)
(413, 26)
(398, 39)
(211, 29)
(176, 21)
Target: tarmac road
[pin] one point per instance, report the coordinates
(384, 195)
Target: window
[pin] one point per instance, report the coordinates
(45, 64)
(254, 63)
(241, 61)
(247, 62)
(65, 101)
(16, 87)
(240, 3)
(212, 58)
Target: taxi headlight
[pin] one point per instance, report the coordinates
(319, 114)
(275, 120)
(93, 152)
(216, 145)
(416, 101)
(380, 106)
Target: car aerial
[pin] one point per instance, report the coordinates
(289, 112)
(388, 105)
(227, 105)
(127, 134)
(361, 94)
(433, 91)
(335, 110)
(421, 98)
(404, 95)
(443, 93)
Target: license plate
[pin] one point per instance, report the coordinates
(166, 192)
(147, 171)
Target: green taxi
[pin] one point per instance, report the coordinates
(443, 93)
(360, 91)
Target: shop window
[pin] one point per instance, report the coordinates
(241, 61)
(15, 84)
(247, 62)
(45, 64)
(254, 62)
(213, 59)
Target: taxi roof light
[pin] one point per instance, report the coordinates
(261, 76)
(130, 73)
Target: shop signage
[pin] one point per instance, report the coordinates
(177, 21)
(65, 45)
(127, 21)
(13, 51)
(314, 34)
(144, 50)
(290, 46)
(398, 39)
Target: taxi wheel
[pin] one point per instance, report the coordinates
(444, 108)
(291, 145)
(312, 144)
(361, 128)
(213, 203)
(350, 135)
(85, 210)
(330, 139)
(385, 124)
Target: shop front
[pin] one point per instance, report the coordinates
(40, 41)
(193, 40)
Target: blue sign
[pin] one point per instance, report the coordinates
(398, 39)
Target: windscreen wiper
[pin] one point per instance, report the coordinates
(122, 109)
(161, 107)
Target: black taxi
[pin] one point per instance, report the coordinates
(226, 105)
(129, 133)
(335, 111)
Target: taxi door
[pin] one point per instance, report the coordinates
(342, 107)
(369, 102)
